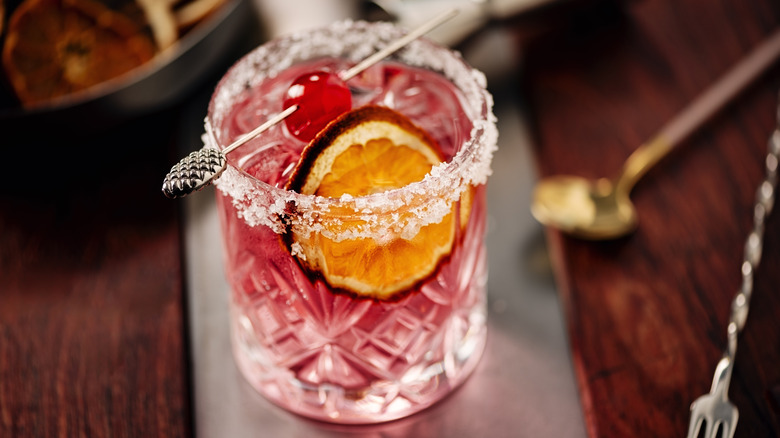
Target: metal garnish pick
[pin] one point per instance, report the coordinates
(201, 167)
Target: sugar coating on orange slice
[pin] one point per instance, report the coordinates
(55, 48)
(370, 150)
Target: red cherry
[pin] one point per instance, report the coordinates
(321, 97)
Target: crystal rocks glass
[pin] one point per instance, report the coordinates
(316, 349)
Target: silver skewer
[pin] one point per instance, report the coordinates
(397, 44)
(200, 168)
(255, 132)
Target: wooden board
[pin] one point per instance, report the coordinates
(92, 329)
(647, 313)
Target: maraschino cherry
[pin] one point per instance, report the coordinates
(321, 96)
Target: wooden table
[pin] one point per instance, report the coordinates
(93, 324)
(93, 338)
(647, 313)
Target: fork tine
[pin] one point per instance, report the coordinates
(721, 426)
(728, 430)
(709, 431)
(732, 424)
(694, 427)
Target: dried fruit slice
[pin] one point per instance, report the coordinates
(369, 150)
(162, 21)
(190, 13)
(57, 47)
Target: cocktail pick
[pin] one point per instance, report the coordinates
(200, 168)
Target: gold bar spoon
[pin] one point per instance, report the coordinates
(602, 209)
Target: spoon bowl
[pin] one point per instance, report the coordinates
(594, 210)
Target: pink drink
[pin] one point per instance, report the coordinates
(324, 353)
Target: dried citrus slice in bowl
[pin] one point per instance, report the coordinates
(367, 151)
(55, 48)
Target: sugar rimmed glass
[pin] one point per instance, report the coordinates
(310, 347)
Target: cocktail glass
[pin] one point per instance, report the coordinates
(312, 345)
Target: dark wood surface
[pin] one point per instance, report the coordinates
(92, 323)
(647, 313)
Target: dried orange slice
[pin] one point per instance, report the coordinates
(162, 21)
(191, 13)
(370, 150)
(57, 47)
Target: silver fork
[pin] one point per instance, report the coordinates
(714, 410)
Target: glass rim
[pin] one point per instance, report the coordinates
(261, 203)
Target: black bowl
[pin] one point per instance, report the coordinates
(154, 86)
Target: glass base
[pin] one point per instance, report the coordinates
(439, 371)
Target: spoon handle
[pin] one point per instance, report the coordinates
(700, 110)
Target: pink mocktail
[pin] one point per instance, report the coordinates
(323, 351)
